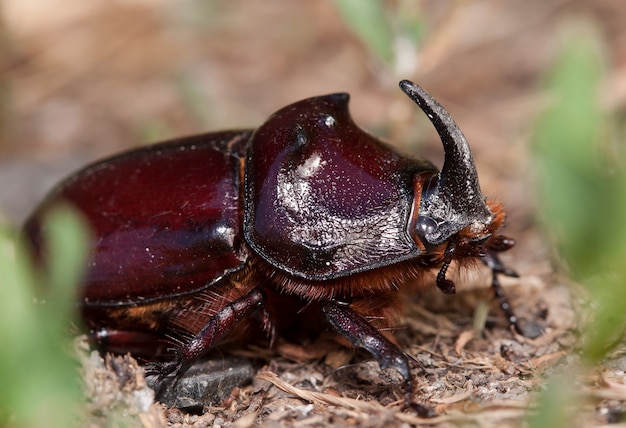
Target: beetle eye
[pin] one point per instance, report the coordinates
(425, 226)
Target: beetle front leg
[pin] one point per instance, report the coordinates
(362, 334)
(501, 243)
(216, 329)
(492, 260)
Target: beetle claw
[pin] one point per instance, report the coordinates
(163, 370)
(529, 329)
(357, 330)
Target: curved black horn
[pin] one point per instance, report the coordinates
(455, 200)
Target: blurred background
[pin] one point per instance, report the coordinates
(81, 80)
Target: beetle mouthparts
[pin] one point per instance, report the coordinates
(455, 200)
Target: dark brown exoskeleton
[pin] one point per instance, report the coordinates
(306, 222)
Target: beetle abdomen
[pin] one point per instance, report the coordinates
(165, 225)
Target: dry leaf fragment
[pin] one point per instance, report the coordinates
(457, 397)
(464, 339)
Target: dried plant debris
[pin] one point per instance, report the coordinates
(463, 375)
(116, 391)
(488, 378)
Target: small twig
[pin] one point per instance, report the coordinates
(320, 398)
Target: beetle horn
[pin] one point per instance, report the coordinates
(452, 200)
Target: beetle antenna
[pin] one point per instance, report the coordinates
(446, 285)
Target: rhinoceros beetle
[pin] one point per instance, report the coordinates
(307, 221)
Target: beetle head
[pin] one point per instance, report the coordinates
(451, 200)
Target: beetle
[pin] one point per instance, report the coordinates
(307, 221)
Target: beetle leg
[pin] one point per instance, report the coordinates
(492, 260)
(362, 334)
(218, 327)
(498, 244)
(504, 302)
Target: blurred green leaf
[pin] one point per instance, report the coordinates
(67, 235)
(40, 384)
(409, 21)
(553, 406)
(581, 181)
(573, 181)
(367, 19)
(390, 31)
(582, 189)
(151, 130)
(193, 96)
